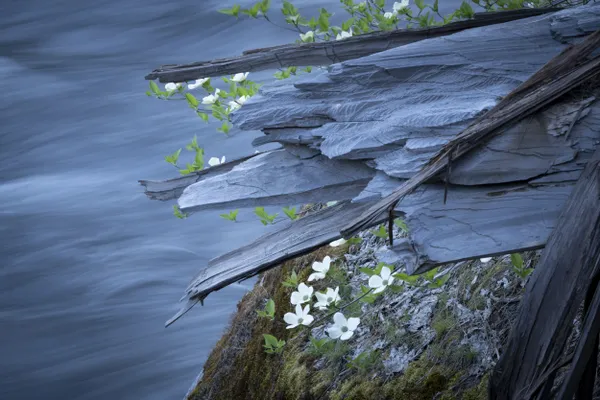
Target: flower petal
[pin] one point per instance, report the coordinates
(317, 266)
(485, 259)
(316, 276)
(338, 242)
(290, 318)
(292, 326)
(375, 281)
(385, 273)
(353, 323)
(346, 335)
(334, 332)
(379, 289)
(321, 297)
(339, 319)
(391, 280)
(298, 310)
(296, 298)
(213, 161)
(306, 310)
(308, 320)
(326, 263)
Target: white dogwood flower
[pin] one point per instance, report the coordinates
(233, 105)
(400, 5)
(242, 99)
(211, 98)
(215, 161)
(343, 35)
(389, 15)
(320, 268)
(308, 36)
(301, 317)
(240, 77)
(338, 242)
(485, 259)
(324, 300)
(342, 328)
(197, 83)
(303, 295)
(380, 282)
(171, 86)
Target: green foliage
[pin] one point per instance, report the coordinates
(376, 270)
(268, 311)
(178, 213)
(225, 127)
(173, 158)
(410, 279)
(319, 347)
(368, 296)
(265, 218)
(518, 266)
(272, 344)
(292, 281)
(231, 215)
(380, 232)
(354, 240)
(365, 361)
(401, 224)
(290, 212)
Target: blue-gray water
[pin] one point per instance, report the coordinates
(91, 269)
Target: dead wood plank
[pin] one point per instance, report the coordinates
(325, 53)
(278, 178)
(173, 188)
(559, 76)
(293, 239)
(554, 292)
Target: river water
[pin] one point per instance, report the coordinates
(91, 269)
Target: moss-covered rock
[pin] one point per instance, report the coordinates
(428, 340)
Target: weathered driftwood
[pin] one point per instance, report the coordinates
(554, 294)
(393, 111)
(278, 178)
(325, 53)
(559, 76)
(293, 239)
(173, 188)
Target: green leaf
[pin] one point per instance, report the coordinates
(177, 212)
(410, 279)
(367, 271)
(290, 212)
(354, 240)
(231, 216)
(517, 260)
(307, 69)
(466, 10)
(381, 232)
(420, 4)
(270, 307)
(193, 145)
(172, 158)
(264, 6)
(323, 20)
(154, 88)
(347, 24)
(192, 101)
(203, 115)
(270, 340)
(148, 93)
(435, 6)
(401, 224)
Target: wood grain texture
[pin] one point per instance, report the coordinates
(293, 239)
(325, 53)
(554, 292)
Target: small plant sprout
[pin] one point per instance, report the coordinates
(321, 268)
(272, 344)
(240, 77)
(301, 317)
(337, 243)
(381, 232)
(290, 212)
(302, 295)
(215, 161)
(198, 83)
(343, 35)
(401, 224)
(230, 216)
(211, 98)
(324, 300)
(269, 310)
(265, 218)
(342, 328)
(485, 259)
(291, 281)
(519, 267)
(382, 281)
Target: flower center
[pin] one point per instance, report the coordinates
(344, 329)
(329, 299)
(305, 297)
(385, 282)
(300, 320)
